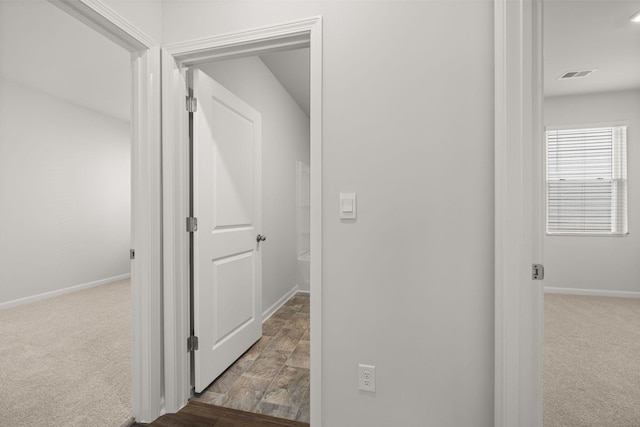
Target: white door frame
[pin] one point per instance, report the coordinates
(175, 59)
(518, 236)
(146, 191)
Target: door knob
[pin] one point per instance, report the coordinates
(261, 238)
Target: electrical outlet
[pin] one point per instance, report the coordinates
(367, 378)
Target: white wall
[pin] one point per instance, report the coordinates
(285, 140)
(43, 47)
(408, 125)
(598, 263)
(64, 194)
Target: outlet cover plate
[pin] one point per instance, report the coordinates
(367, 378)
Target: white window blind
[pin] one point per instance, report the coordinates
(587, 181)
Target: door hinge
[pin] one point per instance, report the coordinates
(192, 224)
(192, 343)
(132, 254)
(537, 272)
(192, 104)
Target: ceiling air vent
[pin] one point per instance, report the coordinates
(576, 74)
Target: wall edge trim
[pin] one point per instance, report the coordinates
(591, 292)
(282, 301)
(59, 292)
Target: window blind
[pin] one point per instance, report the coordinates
(587, 181)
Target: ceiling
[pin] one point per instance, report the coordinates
(44, 48)
(591, 34)
(291, 68)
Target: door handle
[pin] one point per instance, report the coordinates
(261, 238)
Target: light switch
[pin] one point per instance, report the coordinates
(348, 205)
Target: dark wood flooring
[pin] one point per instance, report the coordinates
(197, 414)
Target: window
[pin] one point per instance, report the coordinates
(587, 181)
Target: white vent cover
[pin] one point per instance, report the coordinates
(576, 74)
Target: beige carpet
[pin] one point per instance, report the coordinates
(591, 361)
(66, 361)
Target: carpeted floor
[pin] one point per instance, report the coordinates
(66, 361)
(591, 361)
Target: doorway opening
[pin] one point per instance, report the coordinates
(268, 94)
(177, 59)
(146, 271)
(66, 143)
(589, 213)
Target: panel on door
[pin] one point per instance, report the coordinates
(227, 202)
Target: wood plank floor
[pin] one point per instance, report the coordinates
(197, 414)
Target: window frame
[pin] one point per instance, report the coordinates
(551, 128)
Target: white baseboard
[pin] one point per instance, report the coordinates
(269, 311)
(300, 291)
(56, 293)
(592, 292)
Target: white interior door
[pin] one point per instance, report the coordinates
(227, 202)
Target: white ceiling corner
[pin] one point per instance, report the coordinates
(44, 48)
(591, 34)
(291, 68)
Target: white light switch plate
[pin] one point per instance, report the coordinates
(347, 205)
